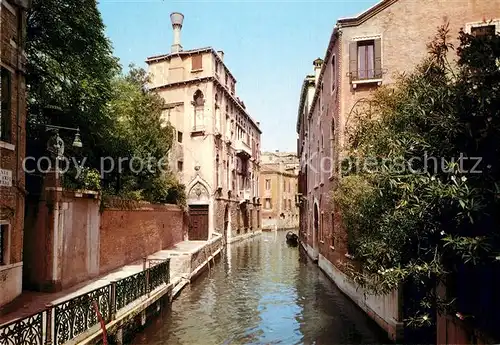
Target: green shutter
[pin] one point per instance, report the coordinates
(353, 60)
(378, 58)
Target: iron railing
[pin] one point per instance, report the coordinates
(25, 331)
(77, 315)
(64, 321)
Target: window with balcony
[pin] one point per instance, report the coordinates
(179, 137)
(267, 203)
(5, 115)
(365, 60)
(196, 63)
(180, 166)
(268, 184)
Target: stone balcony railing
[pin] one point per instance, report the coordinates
(242, 148)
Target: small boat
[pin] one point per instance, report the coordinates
(292, 238)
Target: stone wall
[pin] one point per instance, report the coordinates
(63, 249)
(129, 231)
(236, 226)
(199, 257)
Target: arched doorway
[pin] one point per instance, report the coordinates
(226, 222)
(316, 230)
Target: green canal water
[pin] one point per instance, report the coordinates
(262, 291)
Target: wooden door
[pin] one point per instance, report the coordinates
(198, 229)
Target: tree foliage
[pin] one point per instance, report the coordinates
(427, 214)
(74, 81)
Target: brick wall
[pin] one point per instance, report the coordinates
(130, 231)
(12, 151)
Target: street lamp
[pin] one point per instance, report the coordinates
(56, 144)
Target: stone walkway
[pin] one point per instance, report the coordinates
(32, 302)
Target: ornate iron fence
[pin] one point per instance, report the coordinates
(77, 315)
(130, 288)
(64, 321)
(159, 273)
(26, 331)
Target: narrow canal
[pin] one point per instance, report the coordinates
(262, 292)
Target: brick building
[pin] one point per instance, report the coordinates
(278, 188)
(217, 146)
(12, 146)
(364, 52)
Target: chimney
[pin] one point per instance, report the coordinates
(317, 69)
(176, 18)
(221, 55)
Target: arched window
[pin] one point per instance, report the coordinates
(333, 152)
(198, 103)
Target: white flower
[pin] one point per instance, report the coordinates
(453, 178)
(425, 317)
(464, 178)
(497, 62)
(442, 233)
(489, 166)
(433, 178)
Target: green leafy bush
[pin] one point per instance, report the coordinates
(429, 224)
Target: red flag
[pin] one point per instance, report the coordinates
(103, 324)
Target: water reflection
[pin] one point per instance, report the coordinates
(262, 292)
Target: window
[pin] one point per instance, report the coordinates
(333, 75)
(5, 115)
(225, 79)
(486, 30)
(196, 62)
(198, 103)
(268, 184)
(365, 59)
(268, 204)
(321, 228)
(179, 137)
(333, 231)
(332, 148)
(4, 260)
(283, 207)
(216, 67)
(284, 185)
(180, 166)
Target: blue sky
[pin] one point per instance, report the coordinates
(268, 46)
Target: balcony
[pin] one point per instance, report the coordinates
(372, 76)
(243, 149)
(244, 195)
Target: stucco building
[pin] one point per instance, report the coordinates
(217, 143)
(364, 52)
(278, 190)
(12, 146)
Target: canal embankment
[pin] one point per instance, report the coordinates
(125, 299)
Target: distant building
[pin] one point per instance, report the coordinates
(364, 52)
(278, 190)
(12, 146)
(217, 143)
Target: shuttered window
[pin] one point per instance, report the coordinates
(196, 62)
(365, 60)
